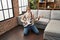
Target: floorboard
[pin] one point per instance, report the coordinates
(17, 34)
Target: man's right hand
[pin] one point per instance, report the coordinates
(25, 23)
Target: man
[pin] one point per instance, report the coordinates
(28, 22)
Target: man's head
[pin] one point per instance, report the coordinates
(28, 9)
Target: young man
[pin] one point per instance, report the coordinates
(28, 22)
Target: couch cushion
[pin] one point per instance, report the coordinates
(40, 26)
(55, 14)
(53, 28)
(45, 13)
(35, 13)
(43, 21)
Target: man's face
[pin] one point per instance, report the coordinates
(28, 9)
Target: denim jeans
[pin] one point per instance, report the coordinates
(32, 27)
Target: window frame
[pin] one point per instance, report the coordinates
(8, 11)
(21, 8)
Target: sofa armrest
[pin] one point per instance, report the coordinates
(19, 20)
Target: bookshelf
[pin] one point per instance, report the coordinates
(42, 4)
(48, 4)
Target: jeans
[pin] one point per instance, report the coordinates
(32, 27)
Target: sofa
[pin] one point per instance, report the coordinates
(42, 22)
(50, 22)
(52, 30)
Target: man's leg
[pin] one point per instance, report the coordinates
(33, 27)
(26, 31)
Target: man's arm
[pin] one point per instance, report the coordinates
(22, 18)
(34, 19)
(32, 15)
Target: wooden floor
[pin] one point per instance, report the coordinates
(17, 34)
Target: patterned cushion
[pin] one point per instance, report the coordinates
(43, 21)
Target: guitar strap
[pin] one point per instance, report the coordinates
(31, 19)
(31, 15)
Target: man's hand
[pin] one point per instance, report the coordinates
(36, 20)
(25, 23)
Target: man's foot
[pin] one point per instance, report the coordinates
(25, 34)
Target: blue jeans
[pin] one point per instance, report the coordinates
(32, 27)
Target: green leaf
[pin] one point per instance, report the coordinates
(33, 4)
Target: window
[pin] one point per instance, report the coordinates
(22, 5)
(6, 10)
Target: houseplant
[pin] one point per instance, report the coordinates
(33, 4)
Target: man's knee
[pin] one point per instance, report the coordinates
(25, 33)
(35, 29)
(37, 32)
